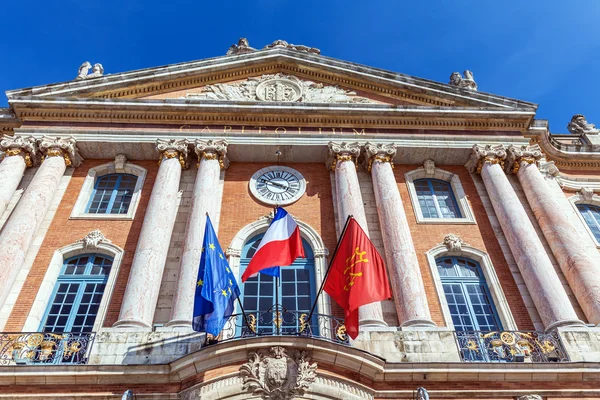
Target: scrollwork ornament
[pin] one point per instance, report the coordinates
(517, 155)
(487, 154)
(60, 147)
(344, 151)
(93, 239)
(212, 150)
(24, 146)
(275, 375)
(379, 152)
(173, 148)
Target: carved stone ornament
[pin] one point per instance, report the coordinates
(20, 145)
(586, 193)
(580, 126)
(517, 155)
(212, 150)
(298, 47)
(173, 148)
(84, 69)
(468, 82)
(529, 397)
(453, 242)
(120, 160)
(495, 154)
(378, 152)
(93, 239)
(342, 152)
(422, 394)
(429, 166)
(60, 147)
(275, 375)
(278, 88)
(241, 47)
(550, 169)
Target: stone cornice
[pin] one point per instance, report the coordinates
(565, 156)
(270, 114)
(8, 121)
(323, 69)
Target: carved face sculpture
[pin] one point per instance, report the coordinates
(455, 78)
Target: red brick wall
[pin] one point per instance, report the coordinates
(63, 231)
(480, 236)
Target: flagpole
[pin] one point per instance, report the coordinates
(329, 268)
(277, 318)
(244, 314)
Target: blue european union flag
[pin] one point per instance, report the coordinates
(216, 287)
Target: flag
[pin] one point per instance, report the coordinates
(216, 287)
(281, 245)
(357, 275)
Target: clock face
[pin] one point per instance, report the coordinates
(277, 185)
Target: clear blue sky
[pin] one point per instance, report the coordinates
(547, 52)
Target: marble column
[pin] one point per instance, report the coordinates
(403, 266)
(20, 229)
(20, 153)
(213, 157)
(545, 288)
(342, 160)
(145, 277)
(581, 269)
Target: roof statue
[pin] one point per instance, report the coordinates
(84, 69)
(242, 47)
(580, 126)
(286, 45)
(468, 82)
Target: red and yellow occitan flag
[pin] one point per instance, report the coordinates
(357, 275)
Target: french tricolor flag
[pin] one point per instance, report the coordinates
(281, 245)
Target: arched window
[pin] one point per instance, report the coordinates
(467, 294)
(436, 199)
(77, 294)
(112, 194)
(591, 216)
(296, 292)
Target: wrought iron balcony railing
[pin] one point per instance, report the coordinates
(27, 348)
(510, 346)
(282, 322)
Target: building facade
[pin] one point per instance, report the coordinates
(489, 225)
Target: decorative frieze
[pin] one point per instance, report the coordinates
(60, 147)
(379, 152)
(275, 375)
(468, 82)
(24, 146)
(212, 150)
(517, 155)
(342, 152)
(488, 154)
(173, 148)
(84, 71)
(580, 126)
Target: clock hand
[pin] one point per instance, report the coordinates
(273, 183)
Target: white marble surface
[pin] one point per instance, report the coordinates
(143, 286)
(410, 298)
(11, 171)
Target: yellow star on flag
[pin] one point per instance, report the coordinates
(227, 269)
(229, 290)
(211, 246)
(230, 283)
(200, 282)
(224, 293)
(220, 256)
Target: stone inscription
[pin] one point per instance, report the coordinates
(277, 130)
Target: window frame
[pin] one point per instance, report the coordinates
(88, 189)
(460, 198)
(577, 200)
(434, 196)
(113, 196)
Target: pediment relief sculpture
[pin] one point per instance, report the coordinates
(275, 375)
(278, 88)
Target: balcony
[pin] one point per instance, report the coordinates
(282, 322)
(510, 346)
(35, 348)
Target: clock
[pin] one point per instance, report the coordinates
(277, 186)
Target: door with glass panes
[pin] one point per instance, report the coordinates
(295, 294)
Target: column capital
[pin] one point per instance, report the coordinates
(65, 147)
(486, 154)
(24, 146)
(212, 150)
(342, 152)
(517, 155)
(173, 148)
(378, 152)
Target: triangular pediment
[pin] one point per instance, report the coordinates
(273, 75)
